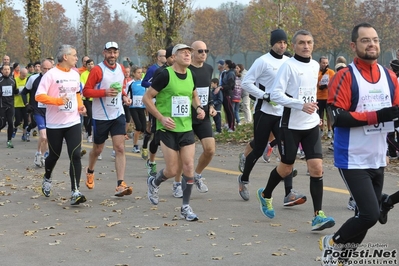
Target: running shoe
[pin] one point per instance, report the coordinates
(10, 145)
(77, 198)
(45, 154)
(294, 198)
(113, 155)
(123, 190)
(327, 248)
(199, 184)
(151, 168)
(266, 206)
(152, 192)
(329, 134)
(89, 179)
(37, 161)
(386, 205)
(321, 222)
(241, 162)
(14, 132)
(89, 139)
(266, 153)
(82, 153)
(100, 157)
(27, 136)
(34, 133)
(177, 190)
(136, 150)
(187, 213)
(144, 153)
(351, 204)
(302, 155)
(46, 187)
(243, 188)
(42, 161)
(23, 137)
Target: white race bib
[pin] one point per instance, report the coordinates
(71, 105)
(203, 94)
(180, 106)
(7, 90)
(308, 95)
(384, 127)
(324, 79)
(137, 101)
(112, 101)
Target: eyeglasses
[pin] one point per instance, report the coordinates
(200, 51)
(368, 40)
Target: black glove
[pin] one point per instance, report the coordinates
(388, 114)
(29, 108)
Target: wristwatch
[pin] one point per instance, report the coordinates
(266, 97)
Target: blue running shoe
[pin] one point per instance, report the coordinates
(321, 222)
(45, 154)
(266, 206)
(14, 132)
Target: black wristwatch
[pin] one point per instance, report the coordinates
(266, 97)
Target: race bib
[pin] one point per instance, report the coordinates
(137, 101)
(308, 95)
(180, 106)
(71, 105)
(384, 127)
(203, 94)
(7, 90)
(112, 101)
(324, 79)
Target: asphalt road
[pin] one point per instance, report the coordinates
(107, 230)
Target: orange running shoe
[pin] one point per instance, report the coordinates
(123, 190)
(89, 179)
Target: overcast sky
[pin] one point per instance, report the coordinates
(72, 10)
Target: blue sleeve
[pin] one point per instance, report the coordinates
(146, 82)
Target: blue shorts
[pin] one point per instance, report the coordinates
(40, 121)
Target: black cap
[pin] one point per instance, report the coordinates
(277, 35)
(169, 51)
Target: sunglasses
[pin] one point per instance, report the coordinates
(200, 51)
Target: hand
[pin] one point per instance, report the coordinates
(82, 110)
(212, 111)
(65, 99)
(29, 108)
(200, 113)
(111, 92)
(127, 101)
(310, 108)
(388, 114)
(216, 91)
(168, 123)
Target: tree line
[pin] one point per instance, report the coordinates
(231, 29)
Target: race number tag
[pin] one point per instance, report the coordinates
(137, 101)
(203, 94)
(180, 106)
(308, 95)
(7, 90)
(324, 79)
(384, 127)
(71, 105)
(112, 101)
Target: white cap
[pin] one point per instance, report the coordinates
(109, 45)
(181, 46)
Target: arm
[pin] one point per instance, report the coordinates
(248, 83)
(196, 103)
(146, 82)
(94, 78)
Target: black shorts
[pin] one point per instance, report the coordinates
(203, 129)
(322, 104)
(290, 139)
(176, 140)
(102, 128)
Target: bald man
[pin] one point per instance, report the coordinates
(203, 128)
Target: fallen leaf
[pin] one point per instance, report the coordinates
(275, 225)
(113, 223)
(30, 232)
(159, 255)
(278, 254)
(56, 242)
(217, 258)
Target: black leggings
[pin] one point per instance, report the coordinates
(228, 111)
(138, 115)
(365, 186)
(73, 138)
(87, 120)
(21, 116)
(7, 117)
(263, 125)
